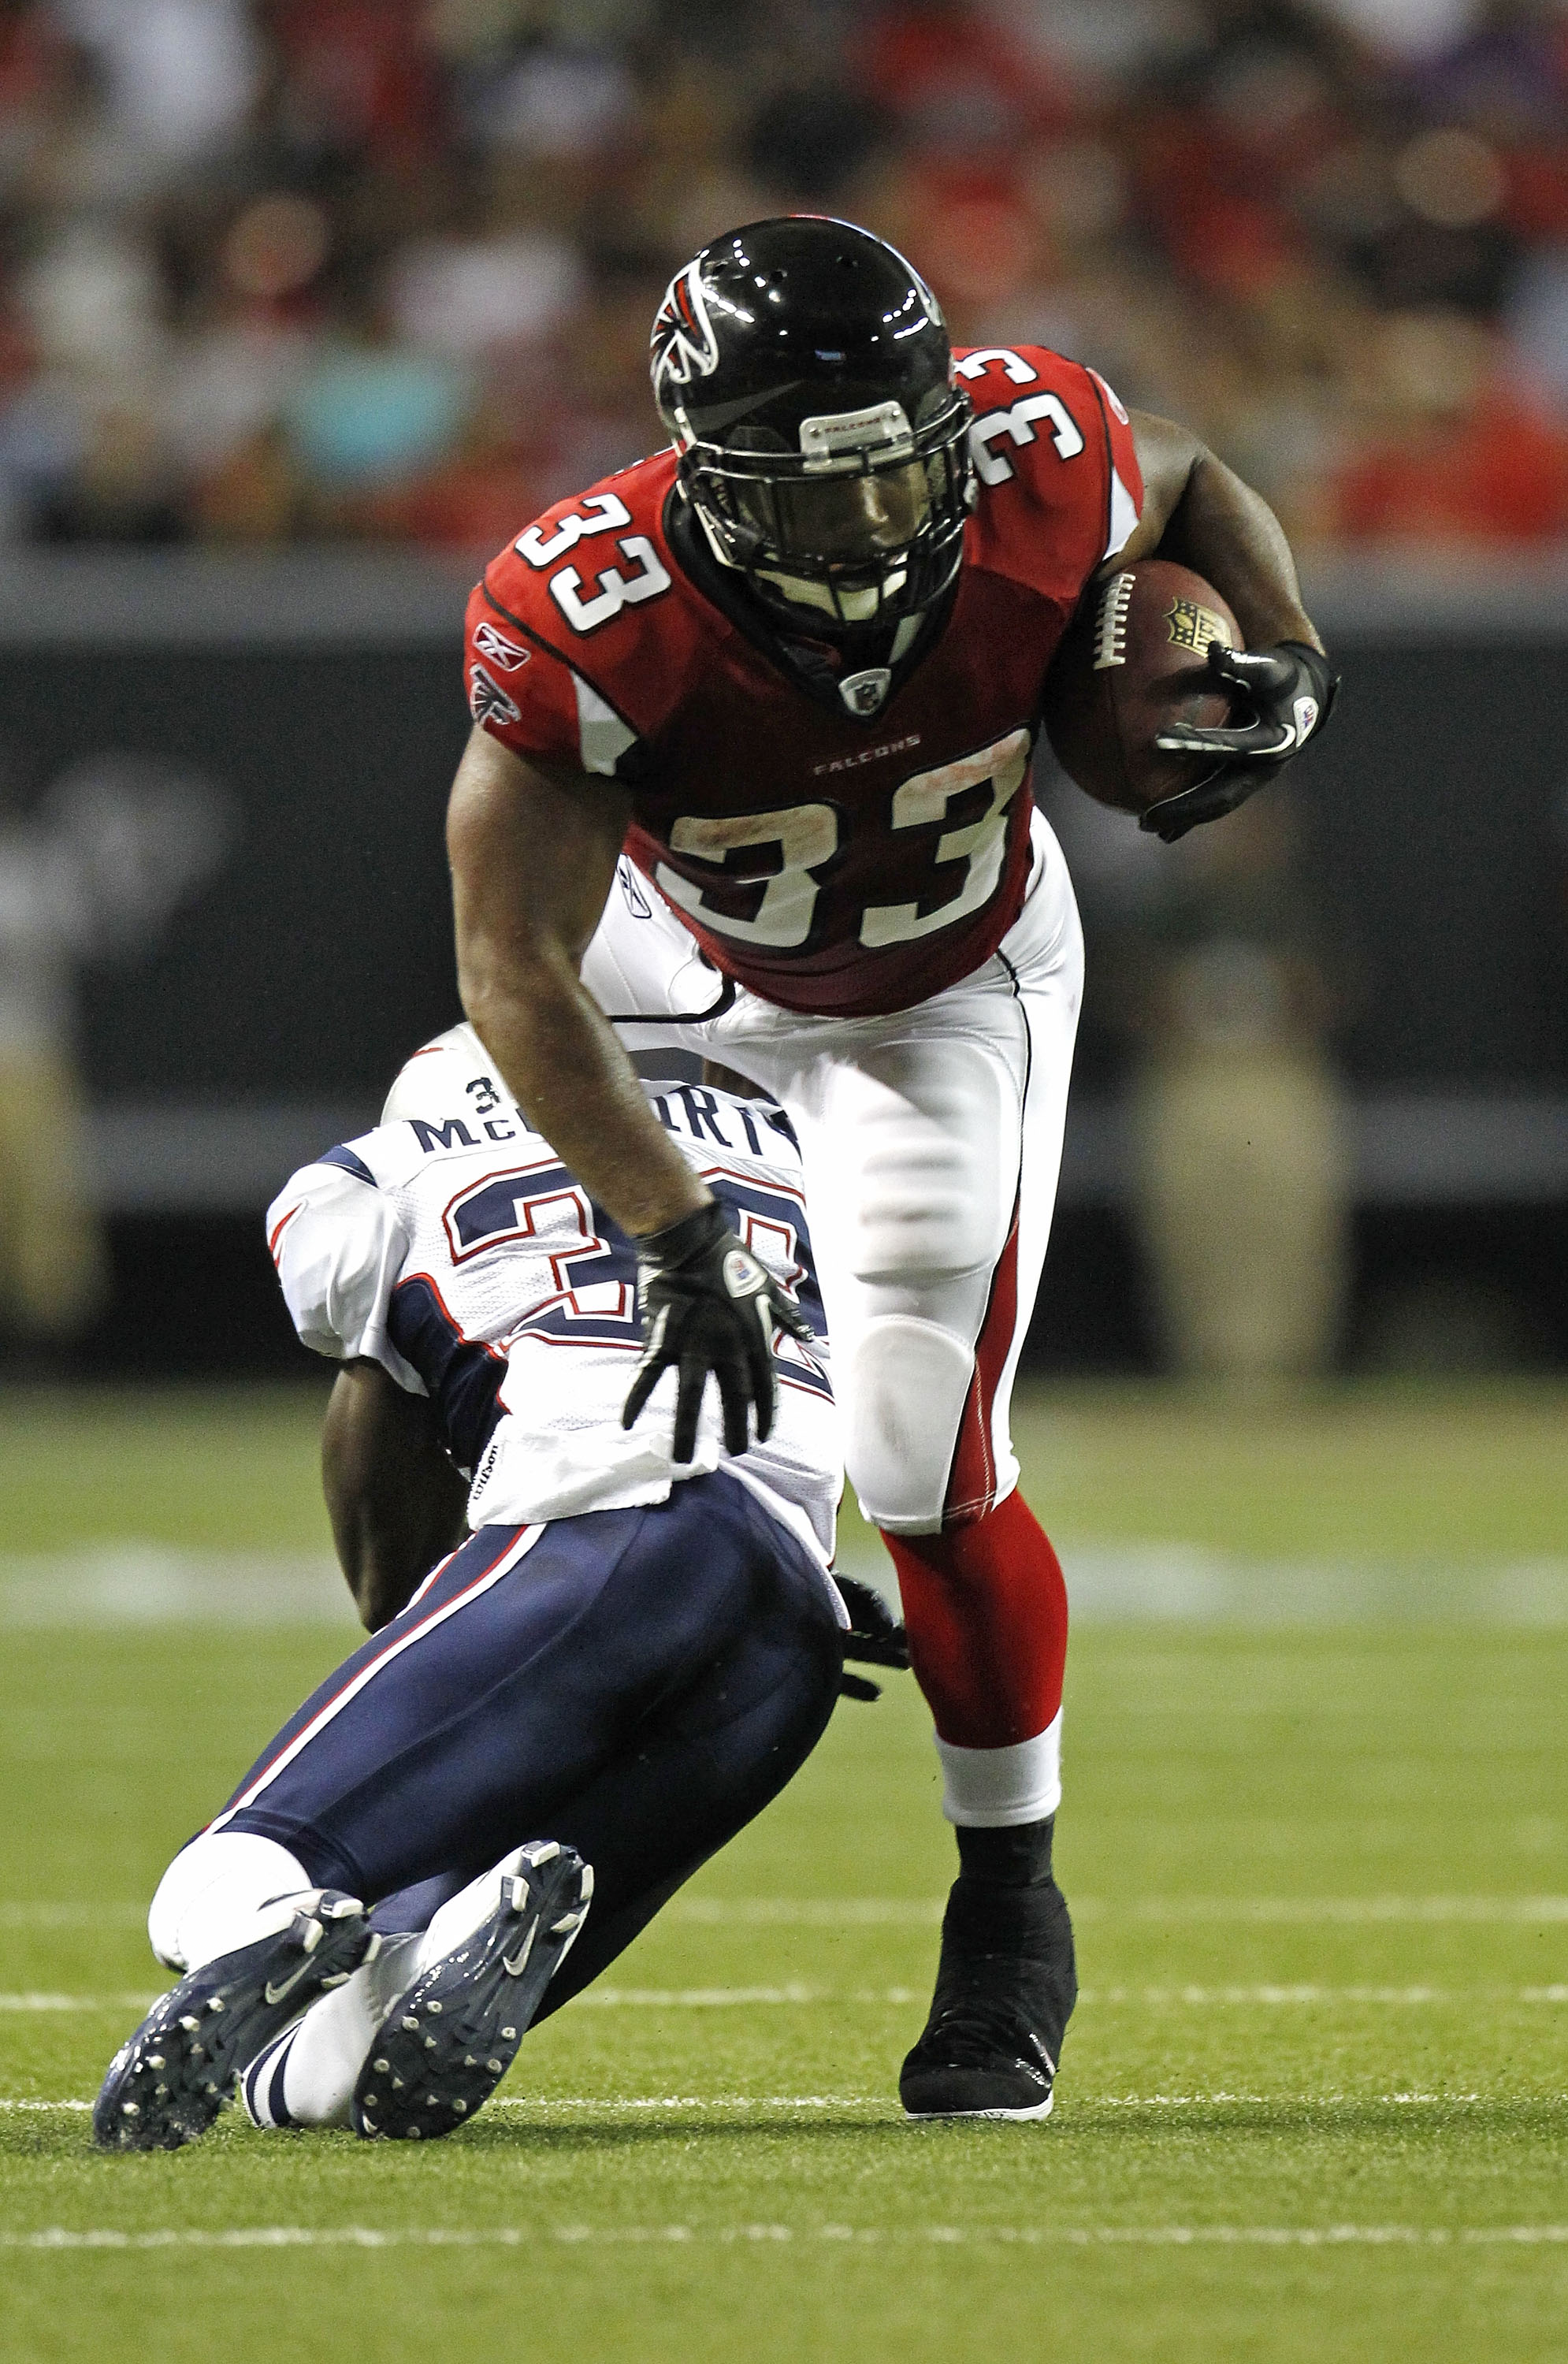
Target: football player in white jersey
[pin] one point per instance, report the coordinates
(633, 1650)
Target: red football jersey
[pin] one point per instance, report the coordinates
(836, 861)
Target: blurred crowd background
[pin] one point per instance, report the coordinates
(274, 270)
(350, 289)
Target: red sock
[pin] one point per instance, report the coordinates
(986, 1612)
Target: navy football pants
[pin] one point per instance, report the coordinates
(637, 1683)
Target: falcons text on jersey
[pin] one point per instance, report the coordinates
(846, 845)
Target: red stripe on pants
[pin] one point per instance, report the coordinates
(986, 1612)
(971, 1481)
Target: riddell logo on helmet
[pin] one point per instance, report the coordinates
(683, 334)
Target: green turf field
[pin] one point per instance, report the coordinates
(1315, 2102)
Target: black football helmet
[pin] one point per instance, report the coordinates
(804, 372)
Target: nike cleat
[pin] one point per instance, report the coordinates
(449, 2040)
(167, 2084)
(1006, 1987)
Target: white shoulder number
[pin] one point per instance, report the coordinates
(995, 467)
(600, 513)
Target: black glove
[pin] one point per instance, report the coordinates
(709, 1305)
(875, 1636)
(1289, 690)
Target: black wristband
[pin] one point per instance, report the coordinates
(1325, 680)
(681, 1242)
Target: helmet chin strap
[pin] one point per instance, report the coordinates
(848, 608)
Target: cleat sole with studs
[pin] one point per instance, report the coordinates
(167, 2084)
(448, 2042)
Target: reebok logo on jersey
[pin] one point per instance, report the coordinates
(506, 653)
(637, 902)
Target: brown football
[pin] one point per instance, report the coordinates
(1133, 661)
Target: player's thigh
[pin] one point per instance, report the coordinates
(709, 1761)
(932, 1146)
(921, 1133)
(505, 1688)
(910, 1144)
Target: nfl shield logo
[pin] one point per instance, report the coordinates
(862, 693)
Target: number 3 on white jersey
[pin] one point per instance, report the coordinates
(807, 836)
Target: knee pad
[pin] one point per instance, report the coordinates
(904, 1392)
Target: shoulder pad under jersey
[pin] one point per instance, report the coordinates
(583, 632)
(454, 1070)
(338, 1247)
(1060, 487)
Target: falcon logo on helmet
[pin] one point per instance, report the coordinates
(803, 370)
(684, 341)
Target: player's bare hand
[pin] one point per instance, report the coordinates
(709, 1306)
(1284, 695)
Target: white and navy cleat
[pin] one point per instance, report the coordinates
(167, 2084)
(450, 2037)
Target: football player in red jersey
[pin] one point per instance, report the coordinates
(784, 679)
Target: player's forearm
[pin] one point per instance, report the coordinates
(1227, 533)
(395, 1500)
(576, 1085)
(1199, 512)
(533, 857)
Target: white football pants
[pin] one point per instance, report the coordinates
(932, 1142)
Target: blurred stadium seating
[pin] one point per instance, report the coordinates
(304, 305)
(384, 268)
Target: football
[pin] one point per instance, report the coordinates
(1134, 660)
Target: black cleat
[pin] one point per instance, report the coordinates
(447, 2043)
(167, 2084)
(1006, 1987)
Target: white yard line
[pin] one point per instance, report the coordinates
(806, 1911)
(138, 2002)
(922, 1913)
(873, 1911)
(620, 2105)
(1159, 1583)
(816, 1998)
(27, 1913)
(513, 2236)
(157, 1584)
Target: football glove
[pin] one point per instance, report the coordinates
(1285, 693)
(709, 1305)
(875, 1636)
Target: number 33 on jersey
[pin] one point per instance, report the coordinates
(838, 864)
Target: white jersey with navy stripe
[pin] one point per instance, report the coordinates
(452, 1246)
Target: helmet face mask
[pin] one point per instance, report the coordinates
(804, 373)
